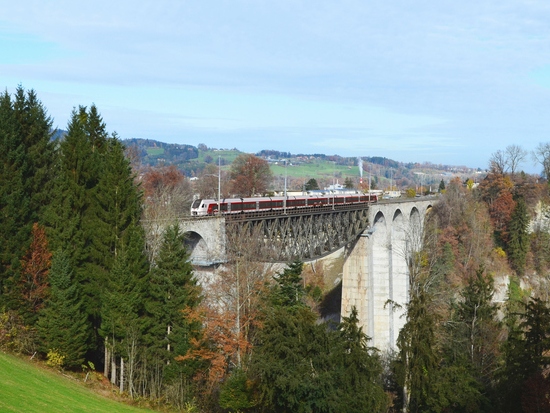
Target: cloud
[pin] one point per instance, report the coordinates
(432, 75)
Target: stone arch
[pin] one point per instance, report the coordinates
(196, 246)
(415, 230)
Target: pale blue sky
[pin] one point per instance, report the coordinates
(440, 81)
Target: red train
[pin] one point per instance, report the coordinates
(202, 207)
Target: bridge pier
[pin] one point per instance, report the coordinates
(375, 277)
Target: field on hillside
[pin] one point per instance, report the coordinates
(320, 169)
(25, 387)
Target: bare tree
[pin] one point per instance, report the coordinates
(497, 162)
(542, 155)
(207, 185)
(515, 155)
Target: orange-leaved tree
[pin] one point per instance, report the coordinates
(250, 175)
(35, 266)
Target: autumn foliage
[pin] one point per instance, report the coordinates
(35, 266)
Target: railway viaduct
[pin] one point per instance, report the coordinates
(376, 240)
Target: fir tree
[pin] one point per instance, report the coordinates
(121, 325)
(118, 205)
(34, 127)
(418, 357)
(25, 176)
(518, 244)
(289, 290)
(14, 203)
(525, 353)
(172, 289)
(95, 207)
(297, 364)
(63, 323)
(358, 370)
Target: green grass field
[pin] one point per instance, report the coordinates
(321, 169)
(27, 388)
(155, 151)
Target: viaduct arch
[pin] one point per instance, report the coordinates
(375, 277)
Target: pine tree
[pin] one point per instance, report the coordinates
(63, 323)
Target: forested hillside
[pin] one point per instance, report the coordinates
(87, 276)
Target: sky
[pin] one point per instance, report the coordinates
(445, 82)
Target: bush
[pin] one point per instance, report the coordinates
(15, 337)
(55, 359)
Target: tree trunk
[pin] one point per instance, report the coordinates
(121, 375)
(106, 360)
(113, 369)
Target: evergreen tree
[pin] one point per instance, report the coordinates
(311, 185)
(470, 348)
(121, 325)
(235, 392)
(526, 356)
(34, 127)
(63, 324)
(358, 370)
(95, 208)
(25, 172)
(117, 207)
(290, 363)
(299, 365)
(476, 315)
(289, 289)
(418, 359)
(13, 202)
(172, 289)
(518, 244)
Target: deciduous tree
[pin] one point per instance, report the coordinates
(542, 156)
(250, 175)
(34, 275)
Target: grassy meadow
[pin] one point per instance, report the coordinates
(25, 387)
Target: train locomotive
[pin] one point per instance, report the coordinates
(205, 207)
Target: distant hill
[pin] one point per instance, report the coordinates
(386, 172)
(152, 152)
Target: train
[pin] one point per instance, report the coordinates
(205, 207)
